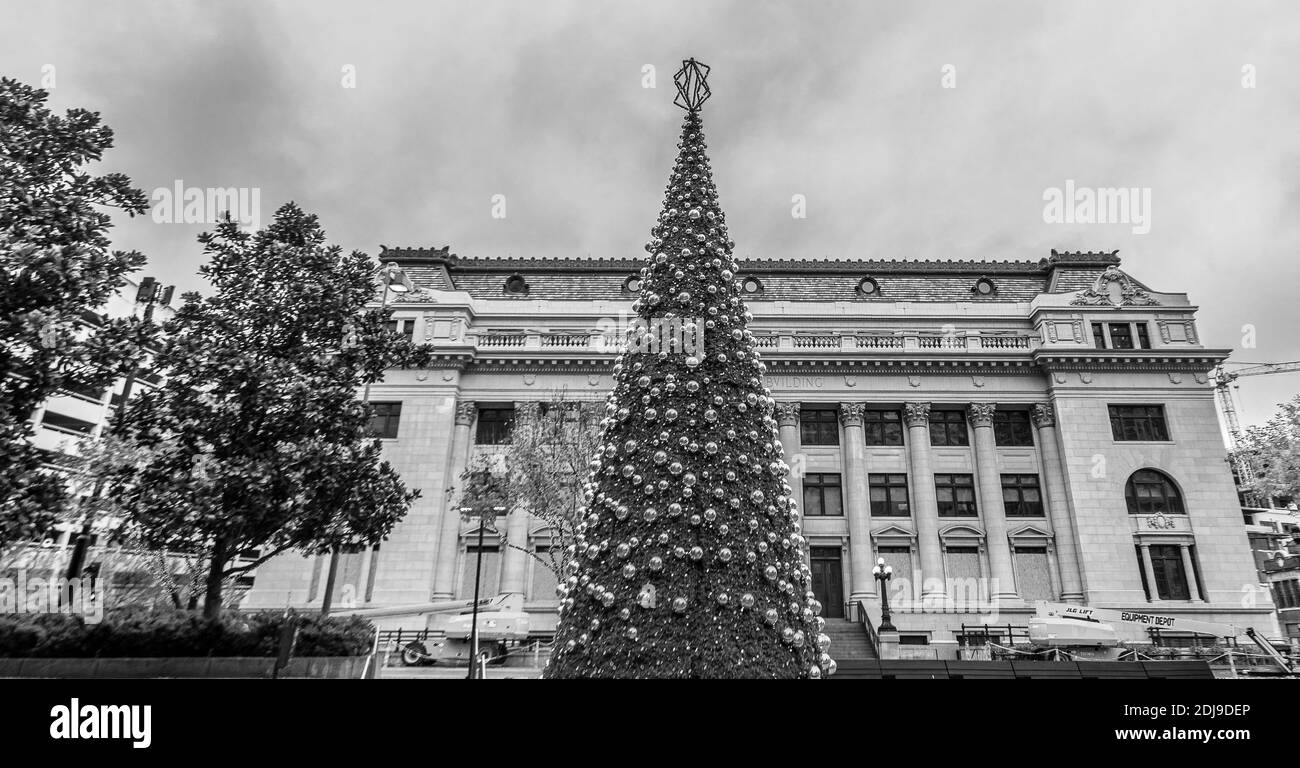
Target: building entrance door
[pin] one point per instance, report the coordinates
(828, 580)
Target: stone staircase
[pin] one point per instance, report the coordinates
(849, 642)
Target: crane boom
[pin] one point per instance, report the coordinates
(1224, 379)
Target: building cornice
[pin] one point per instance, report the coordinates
(1197, 360)
(444, 257)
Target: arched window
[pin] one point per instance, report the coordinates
(1150, 491)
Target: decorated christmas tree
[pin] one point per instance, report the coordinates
(689, 562)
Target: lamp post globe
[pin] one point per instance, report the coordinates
(883, 574)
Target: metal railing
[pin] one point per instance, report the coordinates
(400, 637)
(991, 637)
(861, 614)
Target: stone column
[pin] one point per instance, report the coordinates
(363, 582)
(444, 578)
(1193, 591)
(787, 416)
(1058, 511)
(992, 507)
(857, 503)
(1150, 571)
(925, 504)
(514, 562)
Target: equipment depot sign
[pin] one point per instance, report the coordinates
(1143, 618)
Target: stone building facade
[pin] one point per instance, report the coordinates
(998, 432)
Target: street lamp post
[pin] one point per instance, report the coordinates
(478, 571)
(395, 280)
(883, 573)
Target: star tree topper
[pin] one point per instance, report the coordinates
(692, 85)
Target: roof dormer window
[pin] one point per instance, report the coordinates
(751, 285)
(516, 285)
(868, 286)
(984, 287)
(632, 284)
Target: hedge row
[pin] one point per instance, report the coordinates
(140, 632)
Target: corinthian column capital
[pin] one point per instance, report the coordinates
(465, 411)
(916, 414)
(981, 414)
(787, 414)
(1043, 415)
(851, 414)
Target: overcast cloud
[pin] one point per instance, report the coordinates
(841, 102)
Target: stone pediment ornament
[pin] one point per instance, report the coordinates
(1113, 288)
(1160, 522)
(419, 295)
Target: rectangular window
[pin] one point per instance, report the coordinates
(1021, 496)
(889, 495)
(956, 494)
(1033, 581)
(1013, 428)
(1098, 336)
(821, 495)
(489, 576)
(883, 427)
(819, 426)
(93, 394)
(544, 580)
(1121, 335)
(493, 426)
(899, 558)
(1286, 594)
(948, 428)
(1144, 338)
(1171, 578)
(405, 327)
(384, 419)
(63, 423)
(963, 567)
(1138, 422)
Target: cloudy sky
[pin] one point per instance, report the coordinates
(545, 103)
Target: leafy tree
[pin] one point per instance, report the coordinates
(1272, 452)
(688, 562)
(258, 437)
(540, 468)
(56, 268)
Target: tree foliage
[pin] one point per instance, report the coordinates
(1272, 452)
(540, 469)
(258, 438)
(56, 269)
